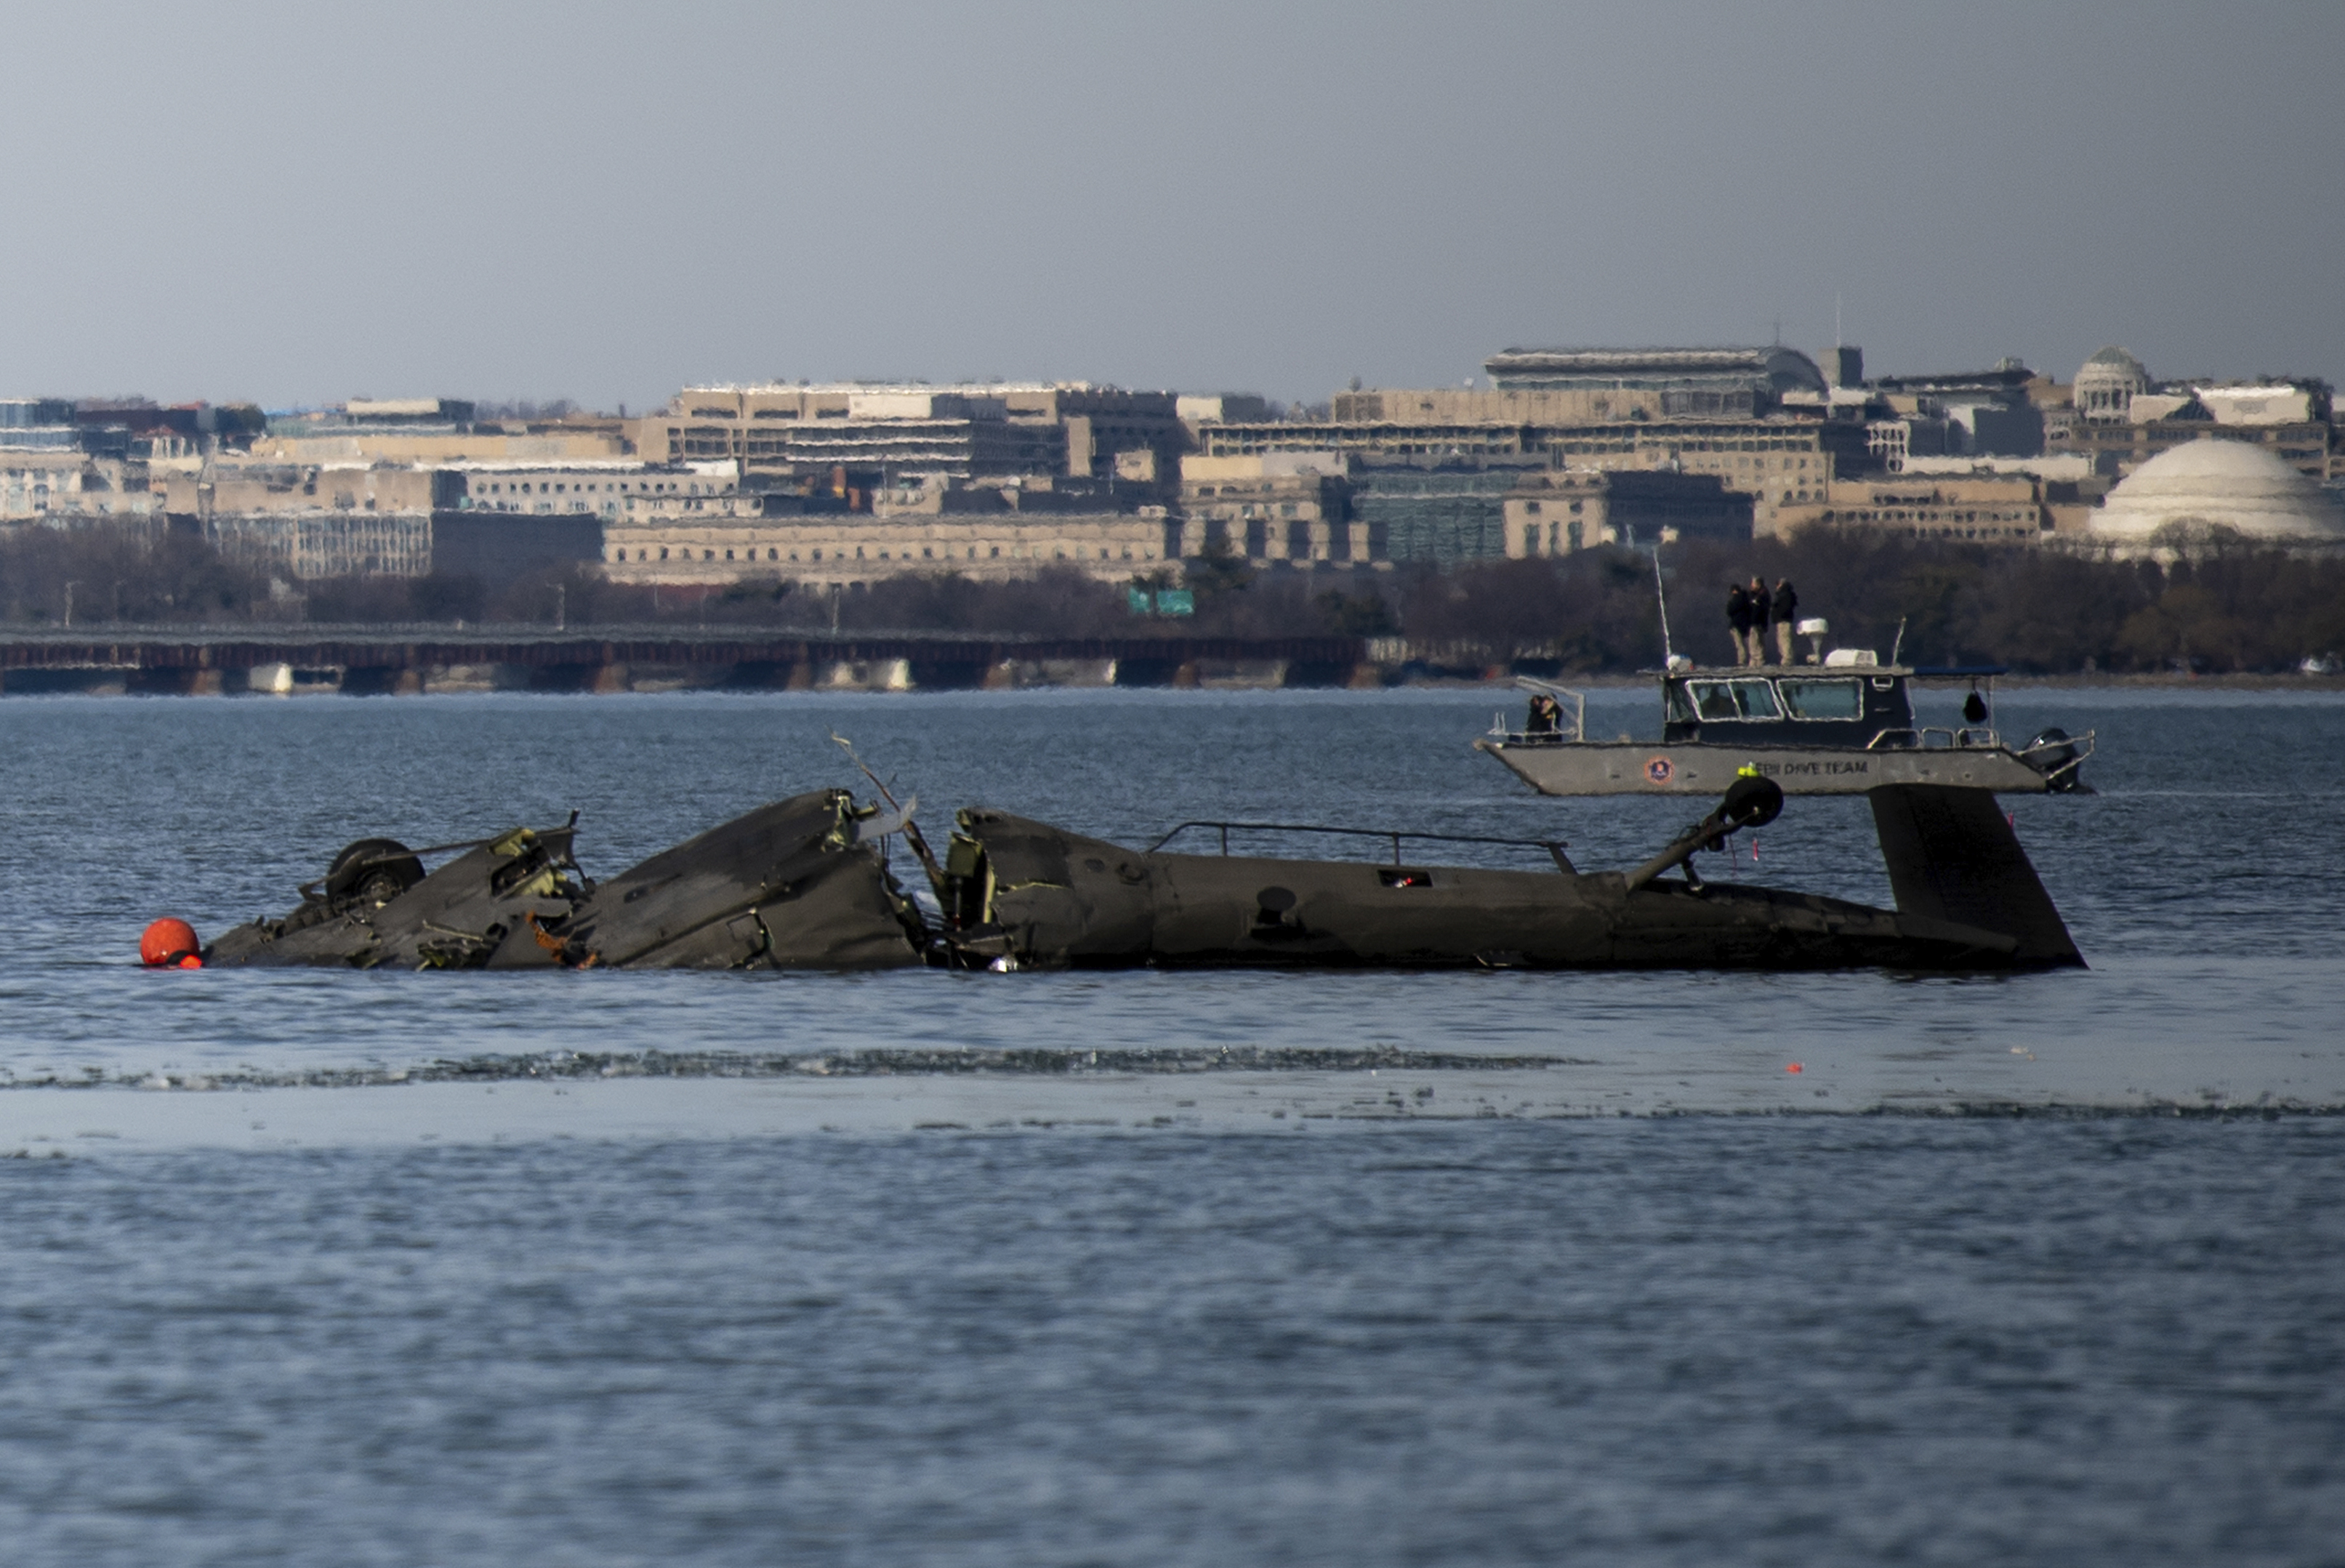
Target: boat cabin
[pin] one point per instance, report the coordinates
(1796, 704)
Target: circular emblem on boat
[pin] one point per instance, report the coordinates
(1660, 770)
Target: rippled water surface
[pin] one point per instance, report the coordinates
(1387, 1281)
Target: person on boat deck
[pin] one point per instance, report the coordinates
(1547, 716)
(1737, 621)
(1761, 610)
(1786, 611)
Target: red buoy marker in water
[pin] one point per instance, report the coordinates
(1793, 1067)
(170, 944)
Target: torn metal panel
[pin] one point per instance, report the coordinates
(796, 884)
(801, 883)
(461, 916)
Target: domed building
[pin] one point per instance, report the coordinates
(2105, 388)
(2191, 490)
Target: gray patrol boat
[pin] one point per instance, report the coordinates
(1839, 725)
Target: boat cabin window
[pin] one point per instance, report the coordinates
(1810, 698)
(1724, 700)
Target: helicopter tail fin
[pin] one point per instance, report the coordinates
(1952, 856)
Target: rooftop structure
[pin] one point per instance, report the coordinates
(2260, 402)
(894, 429)
(1727, 383)
(1198, 408)
(32, 412)
(408, 410)
(2106, 386)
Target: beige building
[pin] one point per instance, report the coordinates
(61, 485)
(394, 445)
(2117, 447)
(1289, 507)
(304, 546)
(964, 431)
(1781, 461)
(1979, 507)
(846, 548)
(1568, 509)
(935, 492)
(196, 488)
(610, 489)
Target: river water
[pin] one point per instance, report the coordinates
(1358, 1268)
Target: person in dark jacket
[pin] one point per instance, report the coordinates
(1546, 717)
(1762, 607)
(1787, 612)
(1737, 621)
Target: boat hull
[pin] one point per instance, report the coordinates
(1629, 768)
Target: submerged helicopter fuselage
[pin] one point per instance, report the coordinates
(1032, 894)
(804, 883)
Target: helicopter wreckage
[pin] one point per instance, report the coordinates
(807, 883)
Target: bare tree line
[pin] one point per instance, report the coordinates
(2224, 608)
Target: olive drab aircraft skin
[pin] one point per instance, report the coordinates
(800, 884)
(1022, 894)
(806, 883)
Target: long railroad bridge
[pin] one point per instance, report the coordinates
(373, 660)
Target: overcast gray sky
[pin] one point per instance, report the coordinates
(302, 203)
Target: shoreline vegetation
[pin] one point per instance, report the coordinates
(2222, 610)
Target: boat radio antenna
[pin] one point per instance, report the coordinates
(1662, 598)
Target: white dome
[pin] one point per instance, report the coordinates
(2213, 483)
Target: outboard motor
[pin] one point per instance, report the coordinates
(2050, 754)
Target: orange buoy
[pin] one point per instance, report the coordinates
(170, 944)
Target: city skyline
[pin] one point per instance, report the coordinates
(600, 204)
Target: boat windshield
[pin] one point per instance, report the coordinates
(1814, 699)
(1725, 699)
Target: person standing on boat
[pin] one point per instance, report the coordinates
(1761, 610)
(1547, 716)
(1786, 611)
(1737, 621)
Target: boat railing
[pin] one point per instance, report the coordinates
(2079, 746)
(1579, 700)
(1930, 737)
(1935, 738)
(1554, 847)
